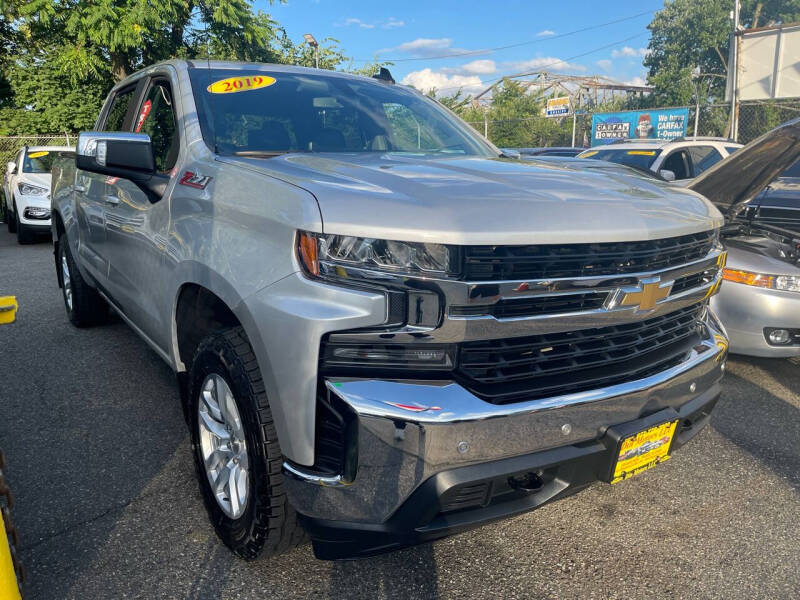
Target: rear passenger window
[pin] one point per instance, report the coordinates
(704, 157)
(119, 108)
(731, 149)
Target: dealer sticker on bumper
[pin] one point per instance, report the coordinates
(644, 450)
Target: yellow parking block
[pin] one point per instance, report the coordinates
(8, 309)
(9, 590)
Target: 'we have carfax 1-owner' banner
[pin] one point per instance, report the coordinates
(665, 123)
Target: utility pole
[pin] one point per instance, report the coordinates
(486, 124)
(734, 66)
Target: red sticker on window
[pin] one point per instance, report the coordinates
(143, 115)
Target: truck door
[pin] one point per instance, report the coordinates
(135, 227)
(91, 191)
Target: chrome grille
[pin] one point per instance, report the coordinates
(496, 263)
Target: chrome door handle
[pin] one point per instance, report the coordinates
(81, 189)
(111, 199)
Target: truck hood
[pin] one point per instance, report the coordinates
(733, 182)
(487, 201)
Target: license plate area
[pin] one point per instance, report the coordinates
(639, 445)
(643, 450)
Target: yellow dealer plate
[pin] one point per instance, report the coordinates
(231, 85)
(644, 450)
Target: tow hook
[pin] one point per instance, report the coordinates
(526, 482)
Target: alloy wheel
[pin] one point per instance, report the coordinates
(223, 446)
(66, 280)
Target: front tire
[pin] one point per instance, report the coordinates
(24, 235)
(11, 220)
(85, 307)
(236, 451)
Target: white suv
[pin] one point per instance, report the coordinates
(679, 159)
(26, 187)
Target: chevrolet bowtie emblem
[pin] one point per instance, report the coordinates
(646, 296)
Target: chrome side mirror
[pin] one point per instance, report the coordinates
(667, 174)
(124, 155)
(11, 168)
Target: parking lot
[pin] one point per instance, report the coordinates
(108, 507)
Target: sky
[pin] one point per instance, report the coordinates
(415, 35)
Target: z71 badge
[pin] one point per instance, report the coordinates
(194, 180)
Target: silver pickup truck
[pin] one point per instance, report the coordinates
(385, 331)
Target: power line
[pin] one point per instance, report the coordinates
(517, 45)
(553, 64)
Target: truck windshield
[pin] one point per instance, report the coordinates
(39, 161)
(256, 112)
(642, 159)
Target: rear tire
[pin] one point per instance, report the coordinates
(85, 307)
(265, 522)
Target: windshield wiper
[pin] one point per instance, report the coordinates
(262, 153)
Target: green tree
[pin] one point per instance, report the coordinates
(696, 33)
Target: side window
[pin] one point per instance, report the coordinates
(119, 107)
(157, 119)
(731, 149)
(704, 157)
(409, 135)
(678, 163)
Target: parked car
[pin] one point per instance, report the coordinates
(549, 151)
(26, 191)
(383, 331)
(779, 203)
(759, 301)
(681, 159)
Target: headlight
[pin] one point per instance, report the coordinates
(327, 254)
(789, 283)
(26, 189)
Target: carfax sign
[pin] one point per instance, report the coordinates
(665, 124)
(557, 107)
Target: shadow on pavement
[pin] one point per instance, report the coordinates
(759, 421)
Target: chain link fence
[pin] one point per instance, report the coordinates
(755, 119)
(10, 145)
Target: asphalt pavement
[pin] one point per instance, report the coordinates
(107, 505)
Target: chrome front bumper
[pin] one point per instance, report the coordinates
(441, 425)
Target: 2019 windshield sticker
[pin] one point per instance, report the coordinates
(231, 85)
(38, 154)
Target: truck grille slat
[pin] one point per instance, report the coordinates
(502, 371)
(493, 263)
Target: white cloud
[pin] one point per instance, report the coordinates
(638, 80)
(546, 33)
(479, 67)
(427, 79)
(604, 64)
(353, 21)
(424, 46)
(429, 47)
(628, 52)
(393, 23)
(549, 63)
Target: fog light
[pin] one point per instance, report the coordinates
(779, 336)
(36, 212)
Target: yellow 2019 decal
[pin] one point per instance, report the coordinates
(642, 152)
(232, 85)
(38, 154)
(588, 154)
